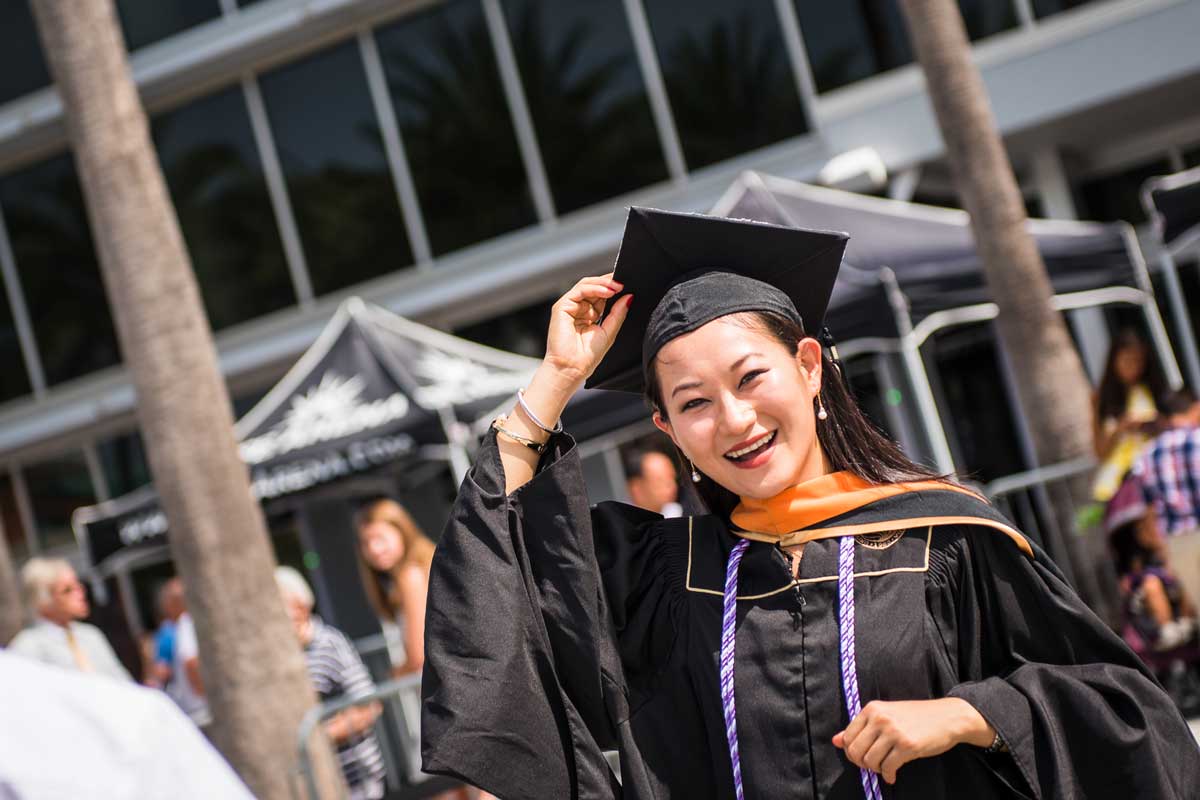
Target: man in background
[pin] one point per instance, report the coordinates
(58, 635)
(337, 673)
(652, 481)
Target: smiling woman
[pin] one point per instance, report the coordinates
(842, 623)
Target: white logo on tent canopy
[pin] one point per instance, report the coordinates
(330, 410)
(454, 379)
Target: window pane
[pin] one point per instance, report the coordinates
(146, 21)
(441, 70)
(586, 97)
(10, 518)
(1044, 8)
(14, 379)
(22, 68)
(1118, 196)
(208, 153)
(728, 76)
(56, 488)
(123, 460)
(337, 174)
(985, 17)
(44, 211)
(847, 42)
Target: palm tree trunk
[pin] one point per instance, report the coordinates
(12, 615)
(251, 663)
(1051, 384)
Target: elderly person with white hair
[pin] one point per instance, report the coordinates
(57, 635)
(337, 672)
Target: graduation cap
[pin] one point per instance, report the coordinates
(686, 270)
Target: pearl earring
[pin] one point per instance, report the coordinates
(695, 474)
(822, 414)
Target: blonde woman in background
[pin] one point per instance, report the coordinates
(395, 556)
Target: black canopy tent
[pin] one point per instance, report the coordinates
(913, 269)
(1173, 204)
(374, 393)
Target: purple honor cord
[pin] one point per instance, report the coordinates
(870, 780)
(728, 633)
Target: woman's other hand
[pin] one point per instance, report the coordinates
(887, 735)
(577, 340)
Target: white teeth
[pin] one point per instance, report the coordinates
(752, 447)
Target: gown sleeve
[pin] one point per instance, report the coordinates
(1080, 713)
(524, 685)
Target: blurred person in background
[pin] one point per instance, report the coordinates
(159, 649)
(652, 481)
(1127, 407)
(58, 635)
(394, 556)
(337, 672)
(186, 687)
(1158, 617)
(1168, 472)
(1154, 603)
(67, 734)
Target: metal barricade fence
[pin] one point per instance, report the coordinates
(397, 729)
(1036, 500)
(1054, 507)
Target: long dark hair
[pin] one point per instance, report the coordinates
(1112, 395)
(849, 440)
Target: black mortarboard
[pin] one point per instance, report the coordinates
(685, 270)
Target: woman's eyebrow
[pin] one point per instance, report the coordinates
(695, 384)
(682, 386)
(735, 365)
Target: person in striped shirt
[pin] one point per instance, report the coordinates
(337, 672)
(1168, 471)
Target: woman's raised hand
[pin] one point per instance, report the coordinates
(574, 346)
(577, 340)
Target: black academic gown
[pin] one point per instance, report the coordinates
(556, 631)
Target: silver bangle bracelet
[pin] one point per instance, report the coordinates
(534, 417)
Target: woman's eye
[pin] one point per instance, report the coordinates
(750, 376)
(693, 403)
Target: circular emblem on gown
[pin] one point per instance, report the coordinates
(880, 541)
